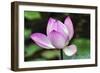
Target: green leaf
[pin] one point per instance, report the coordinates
(39, 59)
(31, 15)
(27, 33)
(31, 49)
(50, 54)
(83, 47)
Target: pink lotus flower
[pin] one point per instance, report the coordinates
(58, 36)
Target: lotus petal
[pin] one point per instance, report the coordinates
(70, 50)
(58, 26)
(57, 39)
(51, 25)
(62, 29)
(68, 23)
(42, 40)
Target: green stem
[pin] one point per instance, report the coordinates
(61, 54)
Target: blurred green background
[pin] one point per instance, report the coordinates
(37, 22)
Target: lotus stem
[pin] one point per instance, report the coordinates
(61, 54)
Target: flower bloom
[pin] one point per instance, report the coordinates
(58, 36)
